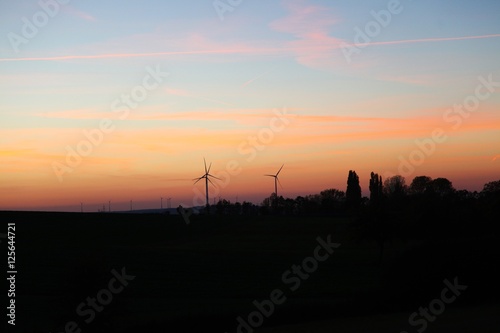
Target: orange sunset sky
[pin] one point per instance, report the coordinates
(122, 101)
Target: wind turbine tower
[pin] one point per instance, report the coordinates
(276, 181)
(207, 176)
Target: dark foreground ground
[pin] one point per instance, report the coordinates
(202, 277)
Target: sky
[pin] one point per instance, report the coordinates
(116, 101)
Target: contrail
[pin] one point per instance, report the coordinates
(255, 78)
(231, 51)
(428, 40)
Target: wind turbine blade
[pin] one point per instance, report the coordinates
(205, 162)
(209, 168)
(210, 181)
(197, 180)
(279, 182)
(270, 175)
(280, 170)
(214, 177)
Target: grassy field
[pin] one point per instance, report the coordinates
(202, 277)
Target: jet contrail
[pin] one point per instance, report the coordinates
(428, 40)
(231, 51)
(255, 78)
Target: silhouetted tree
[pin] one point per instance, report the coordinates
(420, 184)
(246, 208)
(331, 199)
(465, 195)
(290, 207)
(312, 203)
(353, 192)
(223, 207)
(236, 208)
(442, 187)
(300, 203)
(490, 202)
(274, 204)
(375, 188)
(491, 188)
(395, 186)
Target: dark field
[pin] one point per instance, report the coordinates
(201, 277)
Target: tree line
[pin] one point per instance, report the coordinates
(393, 194)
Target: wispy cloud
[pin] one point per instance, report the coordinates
(121, 55)
(78, 13)
(310, 25)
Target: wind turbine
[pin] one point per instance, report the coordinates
(276, 181)
(207, 179)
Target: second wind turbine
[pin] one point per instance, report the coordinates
(207, 179)
(276, 181)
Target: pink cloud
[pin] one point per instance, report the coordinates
(304, 20)
(310, 25)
